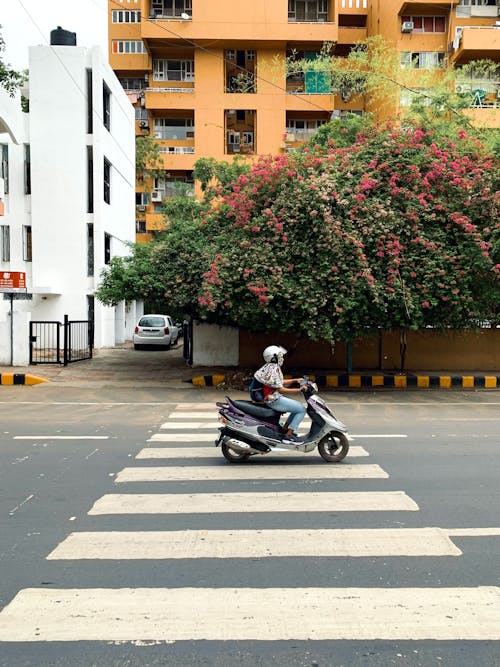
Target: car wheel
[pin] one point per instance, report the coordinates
(137, 346)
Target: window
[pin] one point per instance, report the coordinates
(4, 169)
(27, 169)
(141, 198)
(125, 16)
(5, 242)
(107, 248)
(128, 46)
(90, 179)
(141, 113)
(174, 128)
(426, 23)
(240, 131)
(479, 3)
(27, 250)
(308, 10)
(408, 96)
(133, 84)
(90, 103)
(90, 249)
(173, 70)
(106, 107)
(170, 9)
(300, 130)
(422, 60)
(240, 71)
(107, 181)
(140, 227)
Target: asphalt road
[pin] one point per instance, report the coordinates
(63, 452)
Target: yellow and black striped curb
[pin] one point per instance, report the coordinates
(20, 378)
(391, 381)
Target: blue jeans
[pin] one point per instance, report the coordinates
(297, 410)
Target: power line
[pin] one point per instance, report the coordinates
(226, 60)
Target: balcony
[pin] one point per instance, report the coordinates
(413, 7)
(474, 43)
(351, 34)
(155, 222)
(172, 96)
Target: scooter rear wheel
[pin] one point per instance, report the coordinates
(233, 456)
(333, 447)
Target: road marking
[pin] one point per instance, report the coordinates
(253, 471)
(14, 509)
(472, 532)
(196, 436)
(213, 452)
(61, 437)
(179, 426)
(239, 614)
(372, 542)
(212, 503)
(183, 437)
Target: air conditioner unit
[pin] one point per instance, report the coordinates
(156, 196)
(144, 125)
(461, 88)
(141, 207)
(407, 26)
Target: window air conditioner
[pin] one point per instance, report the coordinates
(407, 26)
(144, 125)
(141, 207)
(156, 196)
(461, 88)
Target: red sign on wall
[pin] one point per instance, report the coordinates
(12, 280)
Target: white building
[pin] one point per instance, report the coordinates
(69, 202)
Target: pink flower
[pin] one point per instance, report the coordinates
(426, 304)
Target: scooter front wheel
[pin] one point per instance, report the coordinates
(233, 456)
(333, 447)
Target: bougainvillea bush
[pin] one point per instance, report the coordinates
(392, 231)
(397, 229)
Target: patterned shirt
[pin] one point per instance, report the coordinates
(271, 376)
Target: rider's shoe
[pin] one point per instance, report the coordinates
(293, 438)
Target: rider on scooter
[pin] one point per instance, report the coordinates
(271, 376)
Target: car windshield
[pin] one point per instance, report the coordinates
(152, 322)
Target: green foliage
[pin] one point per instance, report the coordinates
(148, 161)
(207, 170)
(10, 80)
(340, 132)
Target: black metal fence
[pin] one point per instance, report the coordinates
(47, 346)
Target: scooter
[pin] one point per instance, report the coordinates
(250, 428)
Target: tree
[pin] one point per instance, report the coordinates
(10, 80)
(398, 229)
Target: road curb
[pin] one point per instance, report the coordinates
(353, 381)
(20, 378)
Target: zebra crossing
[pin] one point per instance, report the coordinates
(238, 614)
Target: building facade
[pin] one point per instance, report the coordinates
(69, 186)
(207, 79)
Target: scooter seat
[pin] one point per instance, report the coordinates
(255, 410)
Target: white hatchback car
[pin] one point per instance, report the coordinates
(155, 330)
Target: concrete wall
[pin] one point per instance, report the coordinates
(429, 350)
(20, 338)
(214, 345)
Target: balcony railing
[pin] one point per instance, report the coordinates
(354, 4)
(170, 90)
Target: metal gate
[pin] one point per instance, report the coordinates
(45, 341)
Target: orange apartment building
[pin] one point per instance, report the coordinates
(207, 77)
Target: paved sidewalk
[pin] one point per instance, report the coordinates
(166, 368)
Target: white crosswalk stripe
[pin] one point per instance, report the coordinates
(210, 503)
(252, 614)
(254, 472)
(206, 452)
(238, 614)
(373, 542)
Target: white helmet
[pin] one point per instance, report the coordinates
(274, 354)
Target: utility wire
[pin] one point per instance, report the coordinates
(225, 60)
